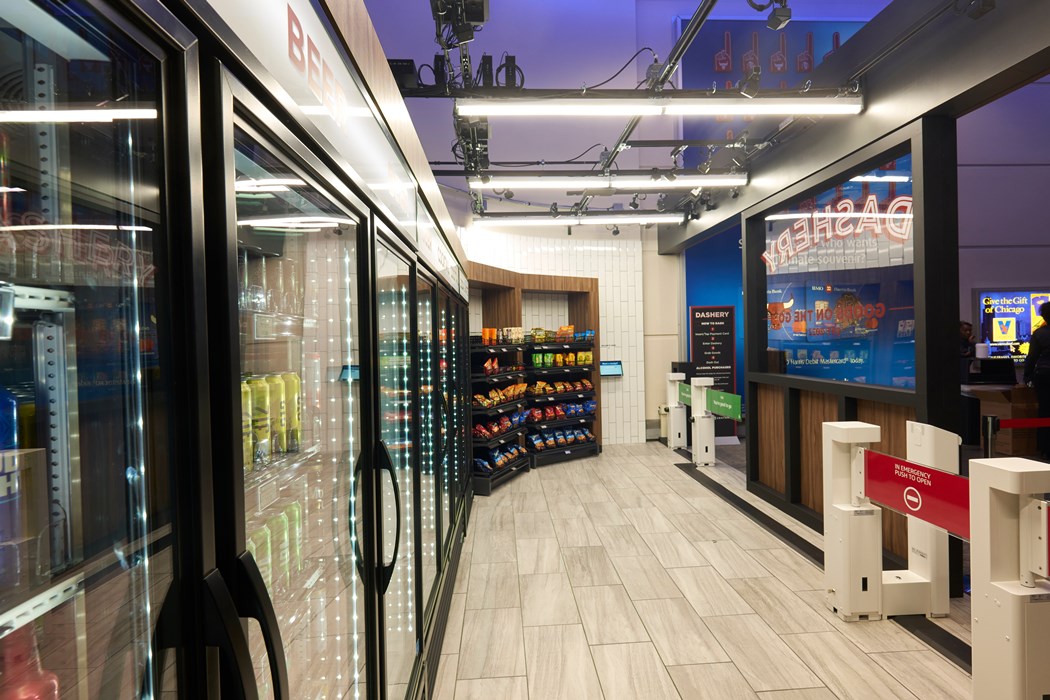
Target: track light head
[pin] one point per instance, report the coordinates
(634, 202)
(616, 231)
(555, 213)
(749, 86)
(779, 18)
(734, 193)
(508, 194)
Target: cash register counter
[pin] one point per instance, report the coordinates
(990, 387)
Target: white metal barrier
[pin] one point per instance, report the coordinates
(703, 423)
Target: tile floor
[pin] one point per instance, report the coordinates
(621, 577)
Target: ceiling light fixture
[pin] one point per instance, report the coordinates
(561, 181)
(6, 190)
(95, 116)
(640, 218)
(634, 202)
(277, 184)
(880, 178)
(685, 106)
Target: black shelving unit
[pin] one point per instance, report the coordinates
(560, 398)
(484, 483)
(500, 440)
(496, 378)
(495, 349)
(558, 347)
(553, 455)
(508, 407)
(568, 422)
(545, 372)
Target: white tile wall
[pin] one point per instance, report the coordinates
(547, 311)
(617, 263)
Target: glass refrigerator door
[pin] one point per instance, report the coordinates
(86, 536)
(300, 406)
(397, 489)
(430, 412)
(447, 434)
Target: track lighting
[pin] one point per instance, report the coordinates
(749, 86)
(616, 231)
(634, 202)
(734, 193)
(554, 210)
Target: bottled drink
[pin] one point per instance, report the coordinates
(260, 420)
(278, 414)
(293, 410)
(246, 427)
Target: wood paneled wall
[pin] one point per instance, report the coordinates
(771, 436)
(893, 420)
(814, 409)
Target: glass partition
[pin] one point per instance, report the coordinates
(840, 281)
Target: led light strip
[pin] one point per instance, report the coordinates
(643, 107)
(835, 215)
(85, 116)
(614, 182)
(589, 220)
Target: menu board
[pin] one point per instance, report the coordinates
(712, 351)
(1008, 319)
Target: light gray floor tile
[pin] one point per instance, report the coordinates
(492, 644)
(445, 684)
(539, 556)
(615, 478)
(670, 503)
(576, 532)
(594, 492)
(494, 546)
(529, 502)
(792, 569)
(609, 616)
(533, 526)
(730, 560)
(845, 670)
(711, 682)
(696, 527)
(678, 633)
(630, 498)
(707, 592)
(454, 626)
(623, 541)
(712, 507)
(645, 579)
(871, 636)
(493, 586)
(566, 506)
(673, 550)
(648, 520)
(489, 517)
(801, 694)
(515, 688)
(760, 655)
(633, 672)
(463, 573)
(605, 513)
(589, 566)
(647, 484)
(928, 675)
(749, 535)
(775, 603)
(560, 664)
(547, 599)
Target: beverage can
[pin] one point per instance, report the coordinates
(261, 541)
(293, 410)
(278, 414)
(294, 512)
(247, 449)
(260, 420)
(278, 526)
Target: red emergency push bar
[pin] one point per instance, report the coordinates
(937, 497)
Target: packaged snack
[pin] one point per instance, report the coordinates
(588, 435)
(570, 437)
(549, 439)
(482, 466)
(570, 359)
(559, 359)
(559, 438)
(505, 424)
(590, 406)
(494, 428)
(587, 385)
(480, 431)
(537, 359)
(559, 412)
(548, 359)
(482, 401)
(580, 437)
(577, 386)
(550, 414)
(537, 442)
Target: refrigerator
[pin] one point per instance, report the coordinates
(231, 397)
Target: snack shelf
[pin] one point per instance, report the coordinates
(501, 439)
(495, 349)
(553, 347)
(559, 398)
(484, 483)
(552, 455)
(575, 421)
(557, 371)
(499, 410)
(495, 378)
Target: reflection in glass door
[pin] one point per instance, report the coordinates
(300, 403)
(430, 412)
(85, 492)
(447, 433)
(394, 323)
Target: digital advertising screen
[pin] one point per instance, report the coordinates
(1007, 320)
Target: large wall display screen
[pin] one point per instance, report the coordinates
(839, 281)
(1008, 319)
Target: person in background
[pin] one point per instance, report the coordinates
(966, 339)
(1037, 375)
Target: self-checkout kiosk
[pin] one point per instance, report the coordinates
(703, 422)
(675, 413)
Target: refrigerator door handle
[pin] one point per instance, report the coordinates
(222, 629)
(386, 571)
(258, 606)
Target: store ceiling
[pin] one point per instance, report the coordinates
(570, 45)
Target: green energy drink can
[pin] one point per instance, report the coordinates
(260, 420)
(247, 440)
(294, 512)
(278, 414)
(293, 409)
(263, 553)
(278, 525)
